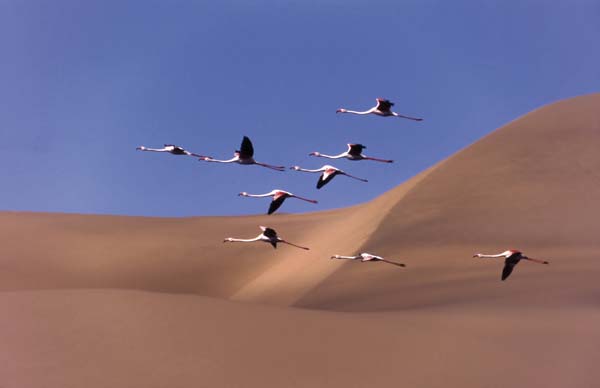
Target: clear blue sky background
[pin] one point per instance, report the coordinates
(82, 83)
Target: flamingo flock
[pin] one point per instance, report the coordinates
(245, 156)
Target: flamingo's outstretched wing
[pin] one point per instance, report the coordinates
(326, 177)
(355, 149)
(508, 268)
(178, 151)
(276, 204)
(270, 233)
(246, 149)
(384, 105)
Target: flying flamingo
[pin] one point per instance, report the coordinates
(278, 197)
(245, 155)
(268, 235)
(368, 257)
(383, 108)
(512, 258)
(329, 172)
(354, 153)
(172, 149)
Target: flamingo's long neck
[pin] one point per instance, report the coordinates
(232, 160)
(307, 170)
(259, 195)
(154, 149)
(245, 239)
(346, 257)
(366, 112)
(503, 254)
(331, 156)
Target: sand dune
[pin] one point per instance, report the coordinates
(107, 338)
(92, 300)
(533, 185)
(185, 255)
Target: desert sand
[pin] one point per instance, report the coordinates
(109, 301)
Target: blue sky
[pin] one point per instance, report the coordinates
(84, 83)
